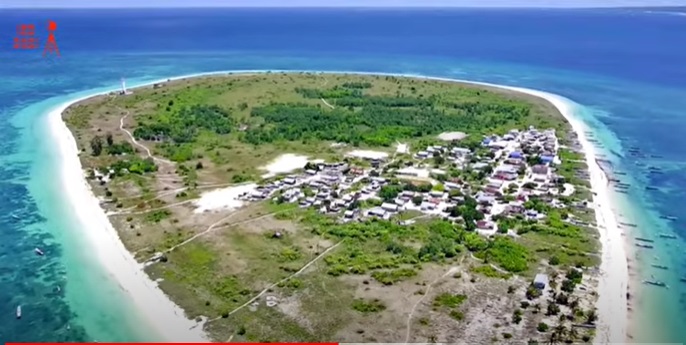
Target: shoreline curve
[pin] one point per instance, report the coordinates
(169, 320)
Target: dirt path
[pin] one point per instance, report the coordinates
(307, 265)
(428, 289)
(214, 226)
(327, 104)
(326, 81)
(133, 140)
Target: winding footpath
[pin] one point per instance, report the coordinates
(307, 265)
(133, 140)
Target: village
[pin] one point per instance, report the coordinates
(514, 167)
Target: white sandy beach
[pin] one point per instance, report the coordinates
(163, 316)
(613, 315)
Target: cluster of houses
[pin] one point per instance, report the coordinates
(342, 189)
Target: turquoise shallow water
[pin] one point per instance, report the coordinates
(628, 101)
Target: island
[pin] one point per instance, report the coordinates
(313, 207)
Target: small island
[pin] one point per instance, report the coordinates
(313, 207)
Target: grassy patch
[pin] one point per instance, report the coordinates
(367, 307)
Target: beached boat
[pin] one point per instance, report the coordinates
(655, 283)
(628, 224)
(643, 239)
(670, 236)
(662, 267)
(39, 252)
(641, 245)
(19, 312)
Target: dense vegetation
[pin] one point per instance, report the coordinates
(378, 120)
(184, 125)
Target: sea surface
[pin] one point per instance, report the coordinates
(626, 67)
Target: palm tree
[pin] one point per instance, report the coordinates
(591, 317)
(560, 331)
(573, 334)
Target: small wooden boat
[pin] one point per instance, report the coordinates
(19, 312)
(670, 236)
(641, 245)
(662, 267)
(39, 251)
(651, 188)
(655, 283)
(643, 239)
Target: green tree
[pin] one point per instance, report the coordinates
(96, 145)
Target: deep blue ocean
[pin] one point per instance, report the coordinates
(626, 67)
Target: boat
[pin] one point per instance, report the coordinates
(662, 267)
(669, 217)
(628, 224)
(651, 188)
(664, 235)
(39, 252)
(655, 282)
(641, 245)
(19, 312)
(15, 216)
(643, 239)
(683, 279)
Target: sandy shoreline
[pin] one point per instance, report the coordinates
(164, 316)
(170, 321)
(613, 315)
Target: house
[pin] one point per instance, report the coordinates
(379, 180)
(356, 171)
(389, 207)
(451, 185)
(349, 214)
(407, 194)
(484, 225)
(479, 165)
(460, 151)
(515, 155)
(514, 208)
(427, 206)
(485, 199)
(539, 169)
(289, 180)
(422, 154)
(547, 159)
(311, 172)
(436, 193)
(377, 211)
(541, 281)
